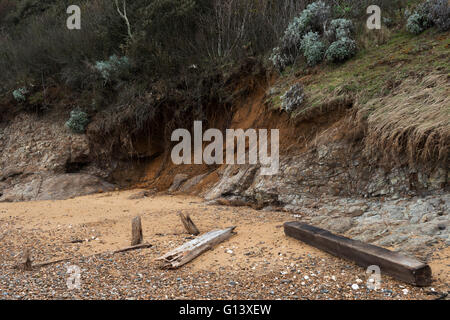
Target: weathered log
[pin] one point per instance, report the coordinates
(189, 225)
(194, 248)
(136, 231)
(392, 263)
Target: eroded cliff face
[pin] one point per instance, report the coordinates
(324, 178)
(41, 160)
(329, 181)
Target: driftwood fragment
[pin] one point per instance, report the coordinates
(393, 263)
(26, 266)
(194, 248)
(136, 247)
(136, 231)
(48, 263)
(189, 225)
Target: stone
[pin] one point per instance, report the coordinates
(355, 286)
(191, 183)
(338, 225)
(355, 212)
(177, 181)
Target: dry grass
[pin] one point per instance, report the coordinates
(368, 38)
(413, 120)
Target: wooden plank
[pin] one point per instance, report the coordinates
(392, 263)
(192, 249)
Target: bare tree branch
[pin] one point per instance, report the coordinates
(123, 15)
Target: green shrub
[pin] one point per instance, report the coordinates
(112, 67)
(280, 60)
(417, 23)
(311, 34)
(341, 50)
(340, 28)
(20, 94)
(313, 18)
(313, 48)
(437, 13)
(78, 121)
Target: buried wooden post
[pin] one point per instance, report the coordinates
(136, 231)
(26, 265)
(190, 226)
(392, 263)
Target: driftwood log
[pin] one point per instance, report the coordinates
(392, 263)
(188, 224)
(136, 231)
(194, 248)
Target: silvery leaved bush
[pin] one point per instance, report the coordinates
(341, 50)
(429, 13)
(339, 28)
(417, 23)
(438, 11)
(313, 18)
(293, 98)
(313, 48)
(78, 121)
(280, 60)
(20, 94)
(111, 66)
(317, 13)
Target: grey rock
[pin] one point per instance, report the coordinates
(177, 181)
(191, 183)
(339, 225)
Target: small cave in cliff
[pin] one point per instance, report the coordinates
(74, 167)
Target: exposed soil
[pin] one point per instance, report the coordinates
(260, 262)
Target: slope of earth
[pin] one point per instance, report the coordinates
(260, 262)
(365, 156)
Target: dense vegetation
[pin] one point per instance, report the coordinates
(169, 61)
